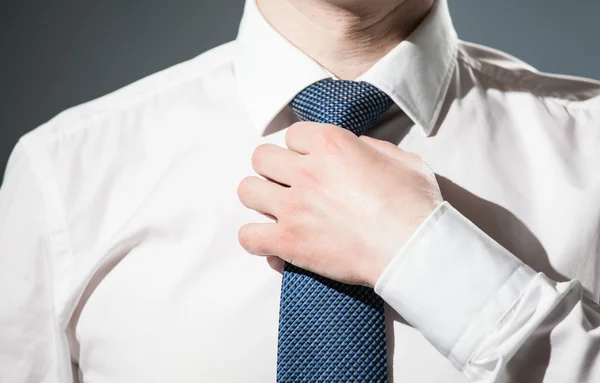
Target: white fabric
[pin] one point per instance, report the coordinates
(119, 259)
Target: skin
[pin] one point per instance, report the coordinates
(345, 36)
(343, 206)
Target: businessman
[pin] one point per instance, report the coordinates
(345, 193)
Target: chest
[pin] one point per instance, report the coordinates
(186, 303)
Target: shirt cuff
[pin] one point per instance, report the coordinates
(453, 283)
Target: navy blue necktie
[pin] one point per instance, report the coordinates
(330, 332)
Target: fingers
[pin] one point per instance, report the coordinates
(276, 163)
(264, 196)
(310, 137)
(259, 238)
(307, 137)
(298, 137)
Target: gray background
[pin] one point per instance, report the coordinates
(57, 54)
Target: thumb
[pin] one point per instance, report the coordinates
(385, 147)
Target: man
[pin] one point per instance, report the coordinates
(456, 181)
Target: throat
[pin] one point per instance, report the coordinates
(346, 37)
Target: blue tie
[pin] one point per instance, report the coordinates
(330, 332)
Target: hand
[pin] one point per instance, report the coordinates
(343, 205)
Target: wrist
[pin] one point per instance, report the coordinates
(381, 263)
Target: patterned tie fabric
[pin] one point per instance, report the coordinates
(330, 332)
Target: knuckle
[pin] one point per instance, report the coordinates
(307, 178)
(296, 126)
(294, 129)
(417, 163)
(390, 145)
(295, 207)
(413, 158)
(331, 140)
(411, 155)
(370, 141)
(287, 243)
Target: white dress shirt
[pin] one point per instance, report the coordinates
(119, 258)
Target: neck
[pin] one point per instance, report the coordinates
(345, 36)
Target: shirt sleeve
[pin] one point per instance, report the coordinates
(32, 348)
(492, 316)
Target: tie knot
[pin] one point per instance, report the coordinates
(352, 105)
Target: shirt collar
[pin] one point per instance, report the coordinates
(270, 70)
